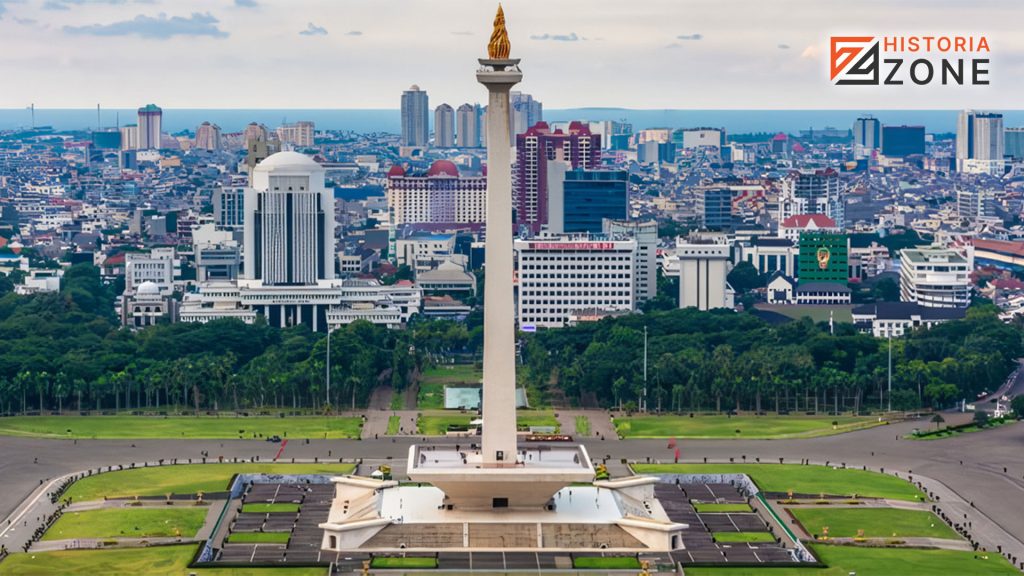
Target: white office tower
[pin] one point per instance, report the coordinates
(980, 143)
(289, 223)
(704, 266)
(935, 277)
(813, 192)
(867, 136)
(564, 277)
(646, 236)
(415, 117)
(444, 126)
(150, 127)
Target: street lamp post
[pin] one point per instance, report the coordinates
(328, 364)
(890, 372)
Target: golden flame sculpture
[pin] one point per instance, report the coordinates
(499, 46)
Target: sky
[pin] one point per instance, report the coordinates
(645, 54)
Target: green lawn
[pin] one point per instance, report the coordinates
(876, 522)
(264, 508)
(844, 560)
(259, 537)
(141, 427)
(526, 418)
(605, 563)
(949, 432)
(819, 313)
(182, 479)
(128, 523)
(708, 508)
(582, 426)
(394, 424)
(398, 400)
(750, 427)
(397, 562)
(156, 561)
(739, 537)
(434, 379)
(802, 479)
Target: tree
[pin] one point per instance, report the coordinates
(981, 418)
(744, 278)
(1017, 405)
(937, 419)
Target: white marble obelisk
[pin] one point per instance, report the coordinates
(499, 74)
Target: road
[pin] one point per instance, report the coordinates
(985, 469)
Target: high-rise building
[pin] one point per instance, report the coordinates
(704, 265)
(254, 133)
(867, 136)
(534, 149)
(289, 223)
(415, 117)
(150, 127)
(901, 141)
(444, 126)
(579, 200)
(973, 203)
(298, 134)
(229, 206)
(1014, 143)
(935, 277)
(979, 142)
(690, 138)
(524, 112)
(437, 198)
(563, 275)
(468, 126)
(208, 137)
(817, 192)
(714, 208)
(646, 235)
(108, 139)
(130, 137)
(824, 257)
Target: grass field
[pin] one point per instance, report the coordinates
(605, 563)
(738, 537)
(128, 523)
(264, 508)
(141, 427)
(802, 479)
(259, 537)
(436, 423)
(875, 522)
(157, 561)
(394, 424)
(750, 427)
(949, 432)
(582, 426)
(399, 563)
(434, 379)
(845, 560)
(711, 508)
(182, 479)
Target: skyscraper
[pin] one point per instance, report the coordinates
(298, 134)
(979, 142)
(524, 112)
(1014, 143)
(254, 133)
(867, 136)
(817, 192)
(150, 127)
(415, 117)
(468, 126)
(444, 126)
(579, 200)
(534, 149)
(289, 223)
(208, 137)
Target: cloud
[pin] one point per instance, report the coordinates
(461, 33)
(690, 37)
(570, 37)
(783, 46)
(810, 53)
(354, 33)
(313, 30)
(66, 4)
(246, 4)
(160, 27)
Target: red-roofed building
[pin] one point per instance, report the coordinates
(792, 226)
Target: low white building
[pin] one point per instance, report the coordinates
(934, 276)
(894, 319)
(160, 266)
(562, 274)
(704, 265)
(769, 255)
(40, 281)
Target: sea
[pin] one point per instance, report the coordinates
(387, 120)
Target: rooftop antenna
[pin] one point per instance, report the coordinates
(98, 122)
(32, 107)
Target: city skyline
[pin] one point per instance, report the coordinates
(657, 54)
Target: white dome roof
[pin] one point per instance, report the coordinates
(288, 161)
(148, 288)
